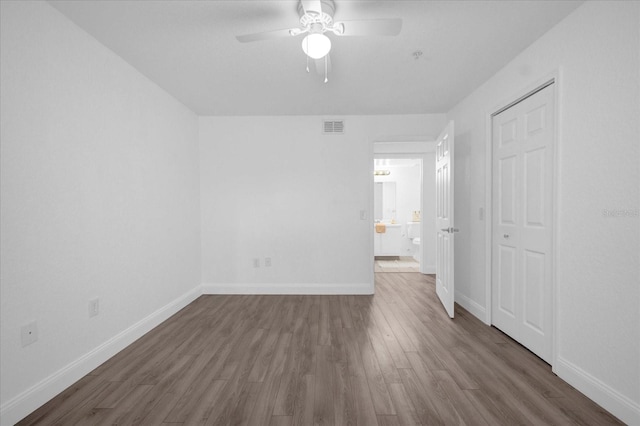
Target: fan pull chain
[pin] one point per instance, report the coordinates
(307, 42)
(325, 68)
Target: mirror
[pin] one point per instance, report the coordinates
(384, 201)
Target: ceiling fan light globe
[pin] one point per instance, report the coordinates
(316, 45)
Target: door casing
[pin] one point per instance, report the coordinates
(403, 150)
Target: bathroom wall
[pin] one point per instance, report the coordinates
(408, 179)
(426, 150)
(596, 51)
(277, 187)
(99, 183)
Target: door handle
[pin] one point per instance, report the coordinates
(450, 230)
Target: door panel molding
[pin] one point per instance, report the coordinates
(554, 77)
(445, 226)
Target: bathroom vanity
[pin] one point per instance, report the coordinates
(388, 243)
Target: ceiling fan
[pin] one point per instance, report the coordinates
(316, 19)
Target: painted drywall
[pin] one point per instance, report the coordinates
(596, 51)
(276, 187)
(99, 200)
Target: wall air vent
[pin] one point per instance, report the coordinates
(333, 127)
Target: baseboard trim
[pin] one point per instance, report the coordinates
(28, 401)
(429, 269)
(313, 288)
(608, 398)
(473, 307)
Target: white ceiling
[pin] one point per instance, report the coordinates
(189, 49)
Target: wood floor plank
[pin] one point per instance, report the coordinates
(173, 369)
(289, 382)
(265, 402)
(354, 358)
(281, 421)
(388, 421)
(323, 409)
(365, 411)
(425, 409)
(407, 415)
(386, 362)
(201, 411)
(434, 392)
(411, 328)
(304, 402)
(377, 385)
(393, 358)
(161, 410)
(396, 351)
(65, 402)
(462, 404)
(314, 322)
(343, 396)
(192, 396)
(236, 394)
(338, 349)
(236, 410)
(397, 330)
(118, 414)
(86, 408)
(345, 314)
(268, 349)
(297, 365)
(324, 332)
(501, 403)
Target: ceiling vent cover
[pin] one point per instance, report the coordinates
(335, 127)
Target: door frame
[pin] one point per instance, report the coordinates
(402, 150)
(554, 77)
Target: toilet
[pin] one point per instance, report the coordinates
(413, 233)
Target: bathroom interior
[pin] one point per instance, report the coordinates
(398, 215)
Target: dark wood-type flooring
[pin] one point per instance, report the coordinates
(390, 359)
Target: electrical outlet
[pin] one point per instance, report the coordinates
(29, 333)
(267, 262)
(94, 307)
(256, 262)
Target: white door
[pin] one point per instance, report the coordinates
(522, 138)
(444, 218)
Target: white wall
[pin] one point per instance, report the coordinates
(596, 49)
(99, 199)
(277, 187)
(408, 182)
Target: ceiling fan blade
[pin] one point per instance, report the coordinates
(266, 35)
(386, 27)
(320, 65)
(311, 6)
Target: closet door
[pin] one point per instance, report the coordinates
(522, 172)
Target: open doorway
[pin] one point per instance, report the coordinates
(397, 200)
(437, 207)
(407, 181)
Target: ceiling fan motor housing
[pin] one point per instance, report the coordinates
(317, 21)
